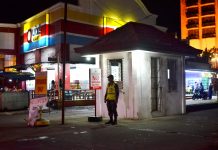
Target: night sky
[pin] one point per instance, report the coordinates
(15, 11)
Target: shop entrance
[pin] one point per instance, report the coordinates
(155, 81)
(195, 79)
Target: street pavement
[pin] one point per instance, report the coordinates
(196, 130)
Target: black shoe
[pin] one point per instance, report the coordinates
(114, 123)
(109, 122)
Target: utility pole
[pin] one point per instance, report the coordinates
(64, 60)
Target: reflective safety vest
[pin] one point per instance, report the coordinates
(111, 92)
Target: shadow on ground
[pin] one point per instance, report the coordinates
(200, 107)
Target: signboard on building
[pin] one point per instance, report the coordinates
(95, 78)
(35, 33)
(41, 83)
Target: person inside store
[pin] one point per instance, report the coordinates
(111, 99)
(52, 85)
(6, 89)
(52, 103)
(14, 89)
(52, 89)
(196, 88)
(210, 91)
(201, 89)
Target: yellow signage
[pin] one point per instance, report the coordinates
(41, 83)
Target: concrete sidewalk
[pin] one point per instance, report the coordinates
(196, 130)
(190, 101)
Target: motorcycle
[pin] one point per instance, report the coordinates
(198, 95)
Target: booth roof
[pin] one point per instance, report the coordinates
(138, 36)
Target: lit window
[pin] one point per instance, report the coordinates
(10, 60)
(115, 67)
(172, 75)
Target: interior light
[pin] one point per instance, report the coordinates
(10, 80)
(88, 58)
(168, 73)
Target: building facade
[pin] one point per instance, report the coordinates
(199, 27)
(8, 45)
(199, 20)
(40, 38)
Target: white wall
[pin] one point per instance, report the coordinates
(135, 98)
(130, 10)
(116, 8)
(125, 109)
(30, 58)
(141, 79)
(48, 52)
(175, 101)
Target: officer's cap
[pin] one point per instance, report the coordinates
(110, 76)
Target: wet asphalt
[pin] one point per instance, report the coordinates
(196, 130)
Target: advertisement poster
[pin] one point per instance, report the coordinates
(41, 83)
(95, 78)
(34, 108)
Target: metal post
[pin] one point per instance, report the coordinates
(95, 104)
(58, 61)
(64, 59)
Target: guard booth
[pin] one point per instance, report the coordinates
(148, 66)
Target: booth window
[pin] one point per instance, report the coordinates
(115, 67)
(172, 75)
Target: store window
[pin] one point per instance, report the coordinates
(10, 60)
(79, 76)
(172, 75)
(115, 67)
(1, 62)
(193, 78)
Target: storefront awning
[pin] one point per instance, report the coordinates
(137, 36)
(198, 63)
(21, 76)
(18, 67)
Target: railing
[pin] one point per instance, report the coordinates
(208, 23)
(206, 35)
(208, 10)
(75, 97)
(192, 25)
(76, 94)
(193, 36)
(191, 2)
(79, 94)
(207, 1)
(191, 14)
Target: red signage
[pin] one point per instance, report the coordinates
(95, 78)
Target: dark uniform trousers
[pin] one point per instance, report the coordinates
(112, 108)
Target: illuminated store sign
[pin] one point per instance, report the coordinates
(34, 34)
(35, 37)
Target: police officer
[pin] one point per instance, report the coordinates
(111, 98)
